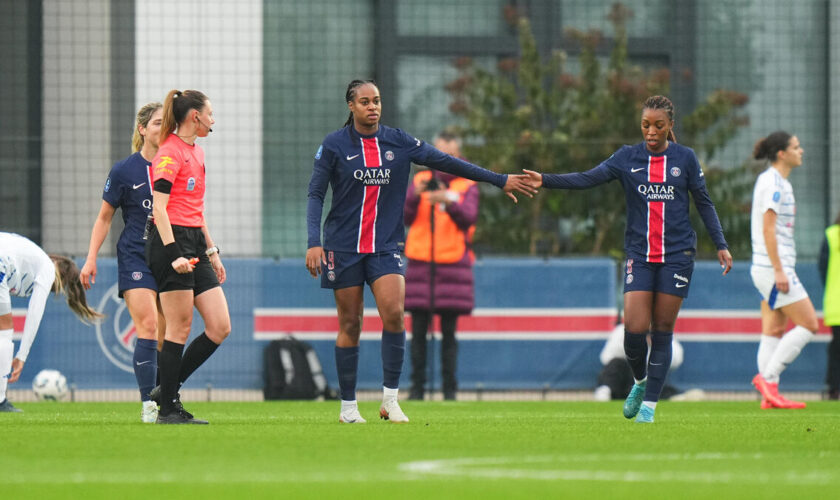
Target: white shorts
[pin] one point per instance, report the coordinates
(765, 282)
(5, 298)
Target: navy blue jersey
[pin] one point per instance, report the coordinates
(369, 179)
(656, 188)
(128, 188)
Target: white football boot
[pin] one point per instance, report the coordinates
(150, 412)
(351, 415)
(390, 410)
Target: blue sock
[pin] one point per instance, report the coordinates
(659, 363)
(636, 350)
(145, 366)
(347, 365)
(393, 352)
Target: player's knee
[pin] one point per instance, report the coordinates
(393, 321)
(147, 327)
(218, 332)
(776, 331)
(812, 325)
(351, 327)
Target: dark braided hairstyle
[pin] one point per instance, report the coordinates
(350, 95)
(768, 148)
(665, 104)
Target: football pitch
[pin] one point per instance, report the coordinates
(448, 450)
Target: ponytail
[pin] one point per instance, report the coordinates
(175, 108)
(144, 116)
(67, 282)
(768, 148)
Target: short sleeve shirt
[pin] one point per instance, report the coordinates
(182, 164)
(773, 192)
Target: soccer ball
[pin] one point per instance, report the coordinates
(50, 385)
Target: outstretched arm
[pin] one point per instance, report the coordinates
(576, 180)
(510, 184)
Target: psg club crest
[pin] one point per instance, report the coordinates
(116, 333)
(389, 155)
(136, 275)
(331, 275)
(675, 171)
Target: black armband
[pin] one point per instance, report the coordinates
(172, 251)
(163, 186)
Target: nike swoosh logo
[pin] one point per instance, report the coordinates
(656, 364)
(138, 363)
(679, 285)
(135, 186)
(351, 157)
(634, 170)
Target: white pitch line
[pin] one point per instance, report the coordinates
(488, 468)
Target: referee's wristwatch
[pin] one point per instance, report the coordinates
(210, 251)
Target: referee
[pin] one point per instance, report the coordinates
(181, 254)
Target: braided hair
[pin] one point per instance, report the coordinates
(350, 95)
(665, 104)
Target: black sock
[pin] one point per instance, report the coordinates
(157, 379)
(196, 354)
(635, 350)
(659, 363)
(170, 365)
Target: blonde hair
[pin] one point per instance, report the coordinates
(144, 116)
(67, 282)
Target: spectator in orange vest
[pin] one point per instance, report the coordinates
(439, 278)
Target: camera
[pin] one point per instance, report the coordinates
(433, 184)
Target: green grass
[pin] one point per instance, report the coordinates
(463, 449)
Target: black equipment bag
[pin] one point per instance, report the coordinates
(292, 371)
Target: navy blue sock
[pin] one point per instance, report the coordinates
(635, 350)
(145, 366)
(393, 352)
(660, 362)
(347, 365)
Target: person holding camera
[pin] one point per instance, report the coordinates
(440, 211)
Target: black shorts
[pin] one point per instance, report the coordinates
(190, 241)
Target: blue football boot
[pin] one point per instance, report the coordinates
(634, 399)
(645, 415)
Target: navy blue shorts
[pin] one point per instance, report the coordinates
(348, 269)
(132, 272)
(672, 278)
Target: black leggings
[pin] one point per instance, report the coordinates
(449, 351)
(832, 377)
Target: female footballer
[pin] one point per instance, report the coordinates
(657, 175)
(367, 165)
(180, 235)
(27, 271)
(773, 268)
(129, 187)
